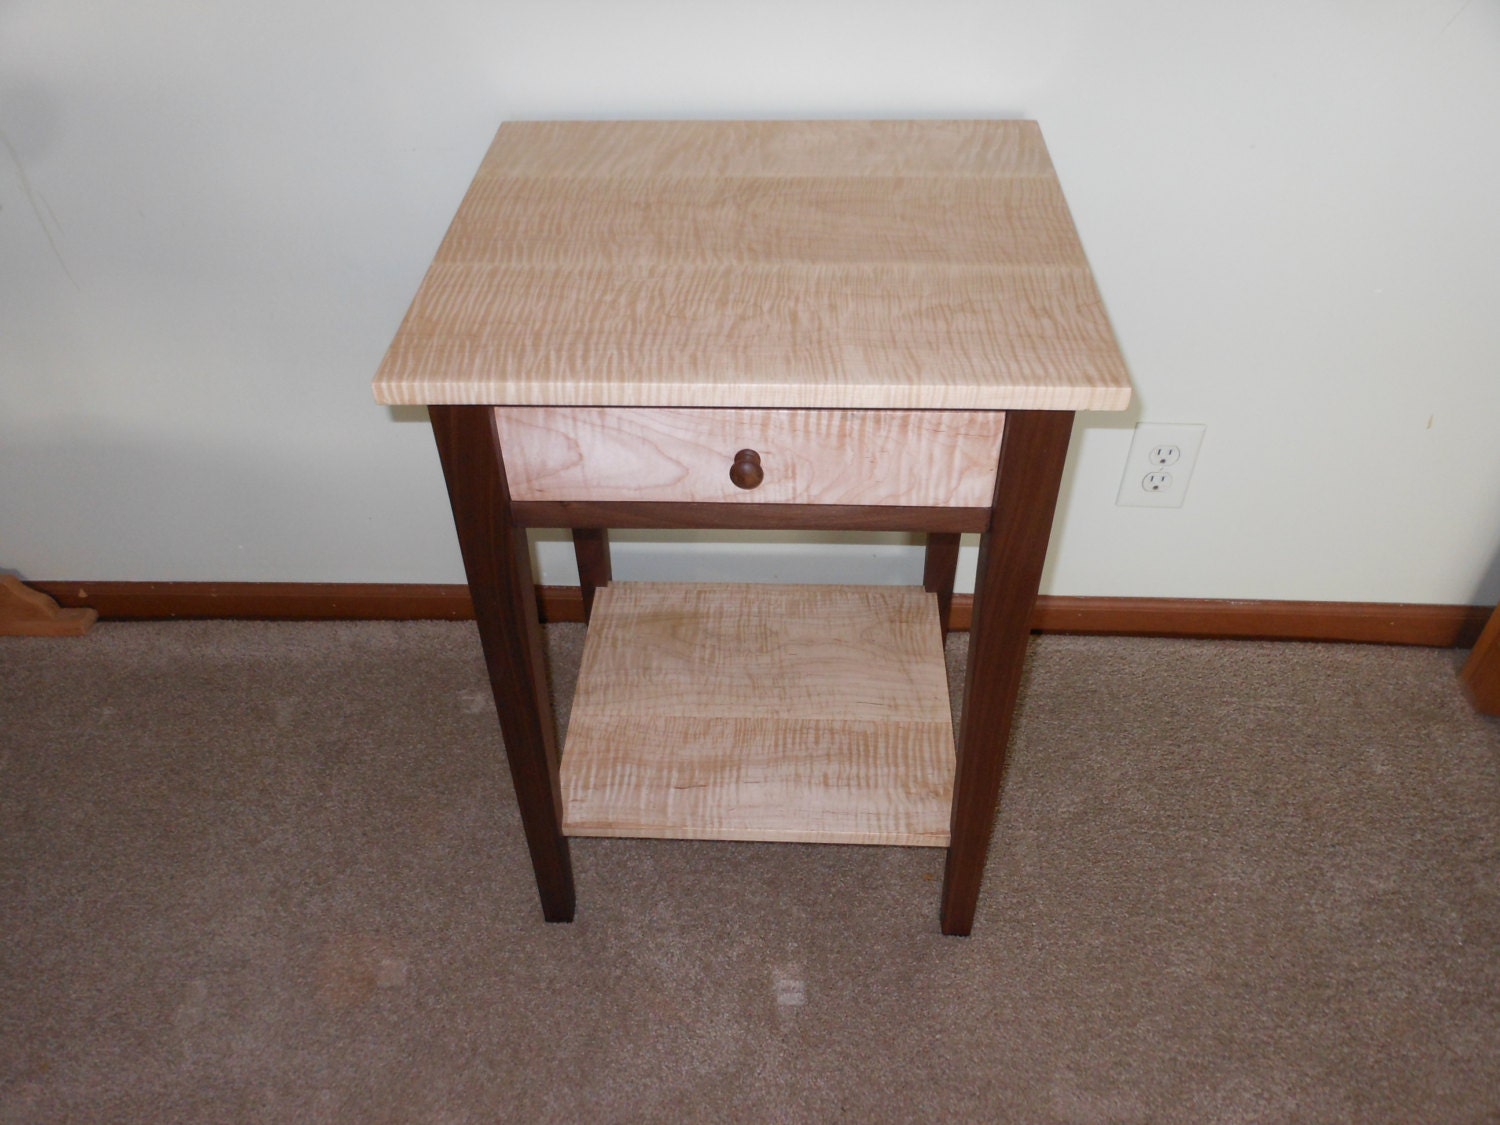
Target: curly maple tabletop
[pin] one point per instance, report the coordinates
(847, 264)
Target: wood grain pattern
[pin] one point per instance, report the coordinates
(760, 222)
(897, 265)
(734, 712)
(666, 150)
(902, 458)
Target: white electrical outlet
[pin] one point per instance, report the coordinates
(1160, 464)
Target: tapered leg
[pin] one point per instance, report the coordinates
(939, 565)
(591, 546)
(497, 561)
(1011, 554)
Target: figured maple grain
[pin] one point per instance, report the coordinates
(919, 458)
(831, 264)
(667, 150)
(740, 712)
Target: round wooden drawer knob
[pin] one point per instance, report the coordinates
(746, 471)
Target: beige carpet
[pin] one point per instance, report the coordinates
(272, 872)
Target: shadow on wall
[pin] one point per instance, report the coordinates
(1488, 590)
(408, 414)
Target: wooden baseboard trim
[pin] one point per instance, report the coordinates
(264, 601)
(1441, 626)
(1438, 626)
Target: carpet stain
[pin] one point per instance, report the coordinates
(473, 702)
(352, 967)
(191, 1011)
(790, 986)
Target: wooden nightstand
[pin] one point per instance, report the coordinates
(831, 325)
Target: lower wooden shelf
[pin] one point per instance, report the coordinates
(761, 712)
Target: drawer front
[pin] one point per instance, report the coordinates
(922, 458)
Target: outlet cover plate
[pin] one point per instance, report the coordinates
(1159, 465)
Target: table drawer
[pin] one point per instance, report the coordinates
(923, 458)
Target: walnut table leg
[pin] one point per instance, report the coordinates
(497, 561)
(591, 546)
(940, 563)
(1481, 673)
(1011, 554)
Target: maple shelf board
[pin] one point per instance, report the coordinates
(814, 714)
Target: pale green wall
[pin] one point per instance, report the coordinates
(212, 217)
